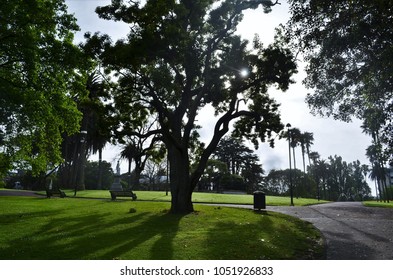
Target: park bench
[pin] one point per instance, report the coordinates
(54, 192)
(125, 193)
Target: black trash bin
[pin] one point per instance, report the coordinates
(259, 200)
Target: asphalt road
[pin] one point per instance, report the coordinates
(351, 230)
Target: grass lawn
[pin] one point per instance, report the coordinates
(200, 197)
(40, 228)
(378, 204)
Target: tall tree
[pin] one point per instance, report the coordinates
(347, 48)
(307, 142)
(93, 170)
(375, 152)
(321, 172)
(128, 153)
(344, 181)
(100, 120)
(314, 156)
(377, 170)
(240, 160)
(38, 77)
(140, 150)
(295, 138)
(182, 56)
(95, 132)
(235, 154)
(253, 176)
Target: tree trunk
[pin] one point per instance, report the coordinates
(294, 173)
(99, 183)
(81, 167)
(129, 183)
(308, 156)
(73, 178)
(180, 181)
(137, 175)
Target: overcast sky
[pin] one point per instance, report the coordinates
(331, 137)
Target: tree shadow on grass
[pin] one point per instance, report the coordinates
(95, 236)
(261, 239)
(161, 229)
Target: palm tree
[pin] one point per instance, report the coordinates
(321, 173)
(129, 152)
(305, 140)
(98, 121)
(140, 150)
(373, 176)
(366, 169)
(295, 141)
(377, 171)
(314, 156)
(373, 118)
(293, 136)
(308, 139)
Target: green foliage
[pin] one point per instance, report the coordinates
(38, 73)
(97, 111)
(5, 165)
(234, 166)
(389, 192)
(235, 154)
(97, 121)
(347, 47)
(339, 180)
(61, 229)
(278, 183)
(232, 182)
(29, 180)
(92, 175)
(378, 204)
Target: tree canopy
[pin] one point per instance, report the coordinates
(181, 56)
(347, 48)
(241, 161)
(38, 78)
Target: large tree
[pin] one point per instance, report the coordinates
(95, 125)
(38, 75)
(347, 46)
(307, 139)
(100, 120)
(240, 160)
(235, 154)
(182, 56)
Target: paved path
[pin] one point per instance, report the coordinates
(351, 230)
(19, 193)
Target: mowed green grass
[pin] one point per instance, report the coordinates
(378, 204)
(44, 229)
(200, 197)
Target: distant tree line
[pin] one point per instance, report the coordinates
(332, 179)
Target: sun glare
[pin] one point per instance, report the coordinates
(244, 73)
